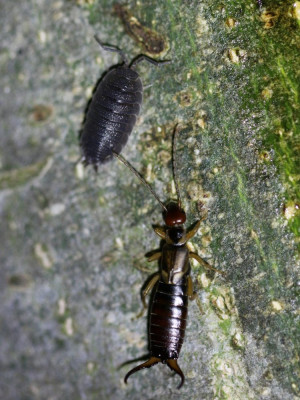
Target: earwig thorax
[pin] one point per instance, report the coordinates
(175, 235)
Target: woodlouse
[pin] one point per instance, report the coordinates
(113, 110)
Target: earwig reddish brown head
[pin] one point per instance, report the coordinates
(174, 215)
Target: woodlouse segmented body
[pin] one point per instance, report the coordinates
(113, 110)
(111, 115)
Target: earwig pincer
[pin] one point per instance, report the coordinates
(172, 286)
(113, 110)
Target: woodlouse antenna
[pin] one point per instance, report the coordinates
(140, 177)
(113, 49)
(174, 164)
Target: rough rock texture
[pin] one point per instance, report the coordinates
(73, 242)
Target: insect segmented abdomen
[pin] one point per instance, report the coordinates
(112, 115)
(167, 323)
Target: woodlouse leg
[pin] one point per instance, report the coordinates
(205, 264)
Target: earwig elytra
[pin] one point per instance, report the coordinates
(172, 286)
(113, 110)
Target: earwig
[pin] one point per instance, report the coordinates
(113, 110)
(172, 286)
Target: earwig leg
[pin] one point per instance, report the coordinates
(112, 49)
(149, 287)
(155, 256)
(191, 233)
(139, 265)
(190, 290)
(205, 264)
(147, 364)
(140, 314)
(175, 367)
(160, 232)
(193, 295)
(150, 60)
(198, 302)
(143, 269)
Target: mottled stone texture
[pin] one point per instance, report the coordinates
(73, 242)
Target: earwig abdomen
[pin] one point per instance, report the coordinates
(169, 306)
(167, 322)
(111, 115)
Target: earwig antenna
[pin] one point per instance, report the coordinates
(150, 60)
(139, 176)
(112, 49)
(174, 164)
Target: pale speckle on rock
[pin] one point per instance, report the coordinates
(69, 326)
(57, 209)
(42, 255)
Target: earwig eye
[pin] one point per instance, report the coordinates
(174, 215)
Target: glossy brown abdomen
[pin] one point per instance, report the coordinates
(167, 322)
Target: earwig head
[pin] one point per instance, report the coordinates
(174, 215)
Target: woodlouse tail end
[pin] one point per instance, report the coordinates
(175, 367)
(147, 364)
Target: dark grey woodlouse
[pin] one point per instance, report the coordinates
(113, 110)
